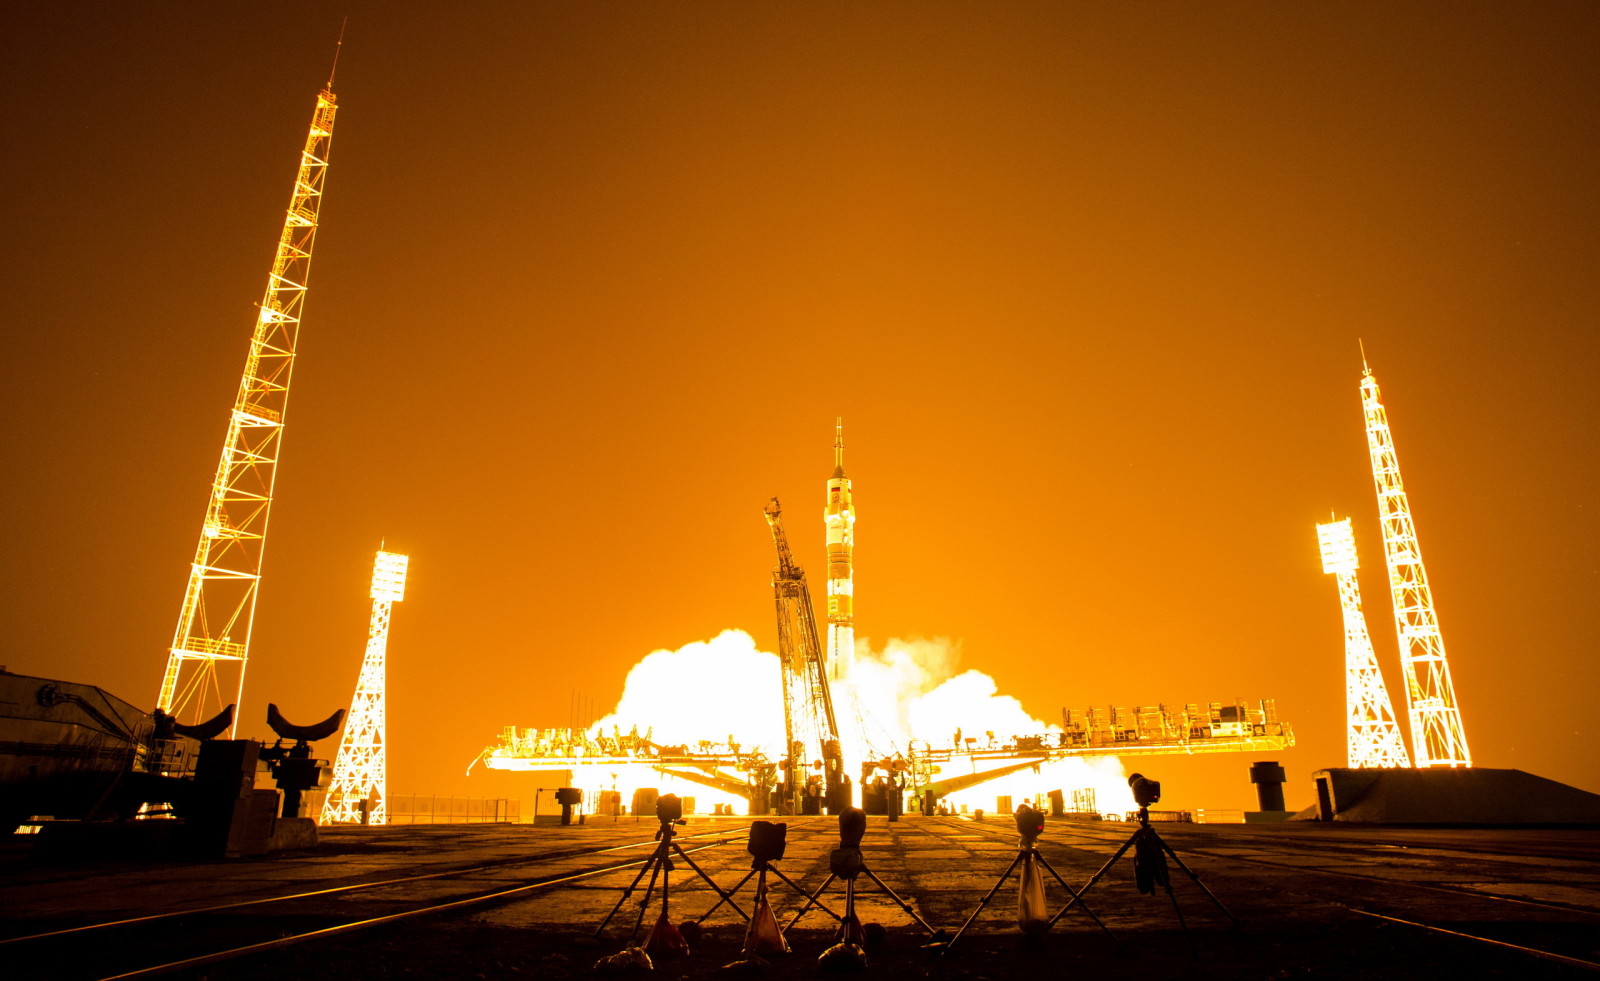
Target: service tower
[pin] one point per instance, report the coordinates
(1437, 738)
(840, 518)
(217, 619)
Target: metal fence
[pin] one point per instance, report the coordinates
(432, 809)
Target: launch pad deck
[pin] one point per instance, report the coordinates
(1316, 900)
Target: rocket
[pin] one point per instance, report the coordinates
(839, 516)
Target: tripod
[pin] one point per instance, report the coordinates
(1027, 852)
(1150, 870)
(660, 866)
(847, 864)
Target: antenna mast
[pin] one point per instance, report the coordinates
(360, 774)
(214, 627)
(1372, 737)
(1437, 738)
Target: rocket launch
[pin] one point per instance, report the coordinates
(840, 518)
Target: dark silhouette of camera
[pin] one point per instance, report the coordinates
(669, 809)
(1145, 790)
(1030, 822)
(767, 840)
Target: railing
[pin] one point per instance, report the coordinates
(432, 809)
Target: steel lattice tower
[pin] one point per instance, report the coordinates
(1437, 738)
(1372, 737)
(810, 727)
(360, 777)
(219, 603)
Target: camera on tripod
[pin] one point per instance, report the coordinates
(1145, 790)
(1030, 822)
(767, 840)
(669, 809)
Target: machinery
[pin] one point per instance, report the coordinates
(813, 764)
(81, 761)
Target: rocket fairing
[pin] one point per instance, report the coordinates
(839, 516)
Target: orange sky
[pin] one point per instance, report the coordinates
(593, 281)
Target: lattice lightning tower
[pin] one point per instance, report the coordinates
(1436, 735)
(360, 776)
(214, 627)
(1372, 737)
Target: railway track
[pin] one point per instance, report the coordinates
(1425, 855)
(58, 953)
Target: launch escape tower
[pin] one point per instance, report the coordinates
(1437, 738)
(839, 516)
(1372, 737)
(360, 774)
(214, 628)
(810, 729)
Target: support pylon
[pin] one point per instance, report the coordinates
(1372, 736)
(360, 775)
(1437, 738)
(214, 627)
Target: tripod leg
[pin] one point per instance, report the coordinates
(1193, 952)
(644, 903)
(791, 884)
(625, 894)
(726, 897)
(812, 901)
(997, 884)
(736, 887)
(1075, 895)
(898, 901)
(1196, 880)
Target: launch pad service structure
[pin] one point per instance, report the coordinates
(1437, 738)
(214, 628)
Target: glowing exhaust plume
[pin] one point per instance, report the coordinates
(723, 695)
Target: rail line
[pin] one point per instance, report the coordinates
(355, 887)
(1107, 837)
(234, 953)
(722, 836)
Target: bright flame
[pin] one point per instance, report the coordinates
(722, 696)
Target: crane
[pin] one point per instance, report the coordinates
(810, 729)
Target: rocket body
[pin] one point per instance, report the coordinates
(839, 516)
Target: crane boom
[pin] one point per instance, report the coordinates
(811, 731)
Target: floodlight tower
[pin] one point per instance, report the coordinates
(839, 517)
(360, 775)
(1372, 737)
(1437, 738)
(214, 627)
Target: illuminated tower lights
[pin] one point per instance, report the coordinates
(360, 777)
(218, 615)
(1437, 738)
(1372, 736)
(839, 516)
